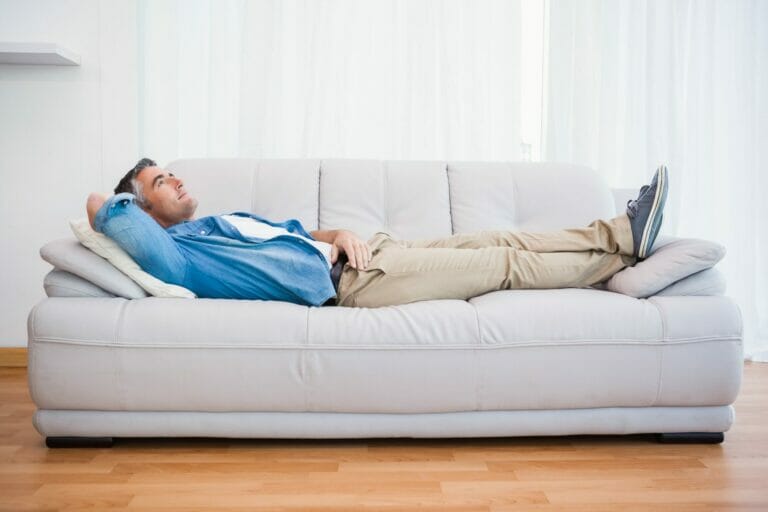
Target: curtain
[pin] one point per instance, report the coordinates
(619, 85)
(632, 84)
(403, 79)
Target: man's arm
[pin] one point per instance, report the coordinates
(152, 248)
(344, 241)
(325, 235)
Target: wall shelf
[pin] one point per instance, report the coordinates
(37, 54)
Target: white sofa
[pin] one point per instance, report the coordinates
(508, 363)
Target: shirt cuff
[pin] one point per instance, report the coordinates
(111, 207)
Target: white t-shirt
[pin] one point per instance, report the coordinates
(253, 228)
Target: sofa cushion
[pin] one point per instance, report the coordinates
(499, 351)
(670, 260)
(277, 189)
(706, 282)
(60, 283)
(68, 254)
(522, 196)
(582, 314)
(408, 199)
(109, 250)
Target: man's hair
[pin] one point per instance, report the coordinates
(129, 183)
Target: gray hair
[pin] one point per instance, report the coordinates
(129, 183)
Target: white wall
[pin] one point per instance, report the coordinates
(64, 131)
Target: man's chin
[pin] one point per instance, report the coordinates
(190, 205)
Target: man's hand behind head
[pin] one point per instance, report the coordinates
(94, 203)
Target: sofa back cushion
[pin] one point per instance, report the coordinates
(408, 199)
(275, 189)
(526, 196)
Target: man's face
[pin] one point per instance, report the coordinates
(167, 199)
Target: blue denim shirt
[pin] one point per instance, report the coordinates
(211, 258)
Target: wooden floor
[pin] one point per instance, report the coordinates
(579, 473)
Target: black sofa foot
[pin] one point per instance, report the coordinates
(690, 437)
(79, 442)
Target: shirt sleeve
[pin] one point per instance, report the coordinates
(138, 234)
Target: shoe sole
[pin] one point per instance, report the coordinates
(652, 224)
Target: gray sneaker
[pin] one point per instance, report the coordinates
(646, 213)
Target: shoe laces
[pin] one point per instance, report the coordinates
(632, 208)
(632, 204)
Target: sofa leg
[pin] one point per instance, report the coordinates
(79, 442)
(690, 437)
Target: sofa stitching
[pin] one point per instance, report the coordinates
(660, 350)
(119, 323)
(118, 370)
(33, 322)
(741, 319)
(303, 365)
(681, 341)
(32, 357)
(659, 385)
(450, 203)
(475, 353)
(385, 193)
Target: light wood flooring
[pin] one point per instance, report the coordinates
(578, 473)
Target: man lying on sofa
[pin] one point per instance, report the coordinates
(243, 256)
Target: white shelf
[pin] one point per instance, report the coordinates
(37, 53)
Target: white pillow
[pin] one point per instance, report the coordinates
(670, 260)
(70, 255)
(109, 250)
(60, 283)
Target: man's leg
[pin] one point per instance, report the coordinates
(399, 275)
(467, 265)
(612, 236)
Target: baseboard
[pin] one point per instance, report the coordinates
(13, 356)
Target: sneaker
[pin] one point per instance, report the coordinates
(646, 213)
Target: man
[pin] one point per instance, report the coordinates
(244, 256)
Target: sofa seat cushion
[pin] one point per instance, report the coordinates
(508, 350)
(604, 347)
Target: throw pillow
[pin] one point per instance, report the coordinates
(109, 250)
(69, 255)
(707, 282)
(60, 283)
(670, 260)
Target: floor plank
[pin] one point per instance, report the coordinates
(568, 474)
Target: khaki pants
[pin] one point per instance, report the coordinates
(467, 265)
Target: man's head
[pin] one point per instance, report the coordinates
(158, 192)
